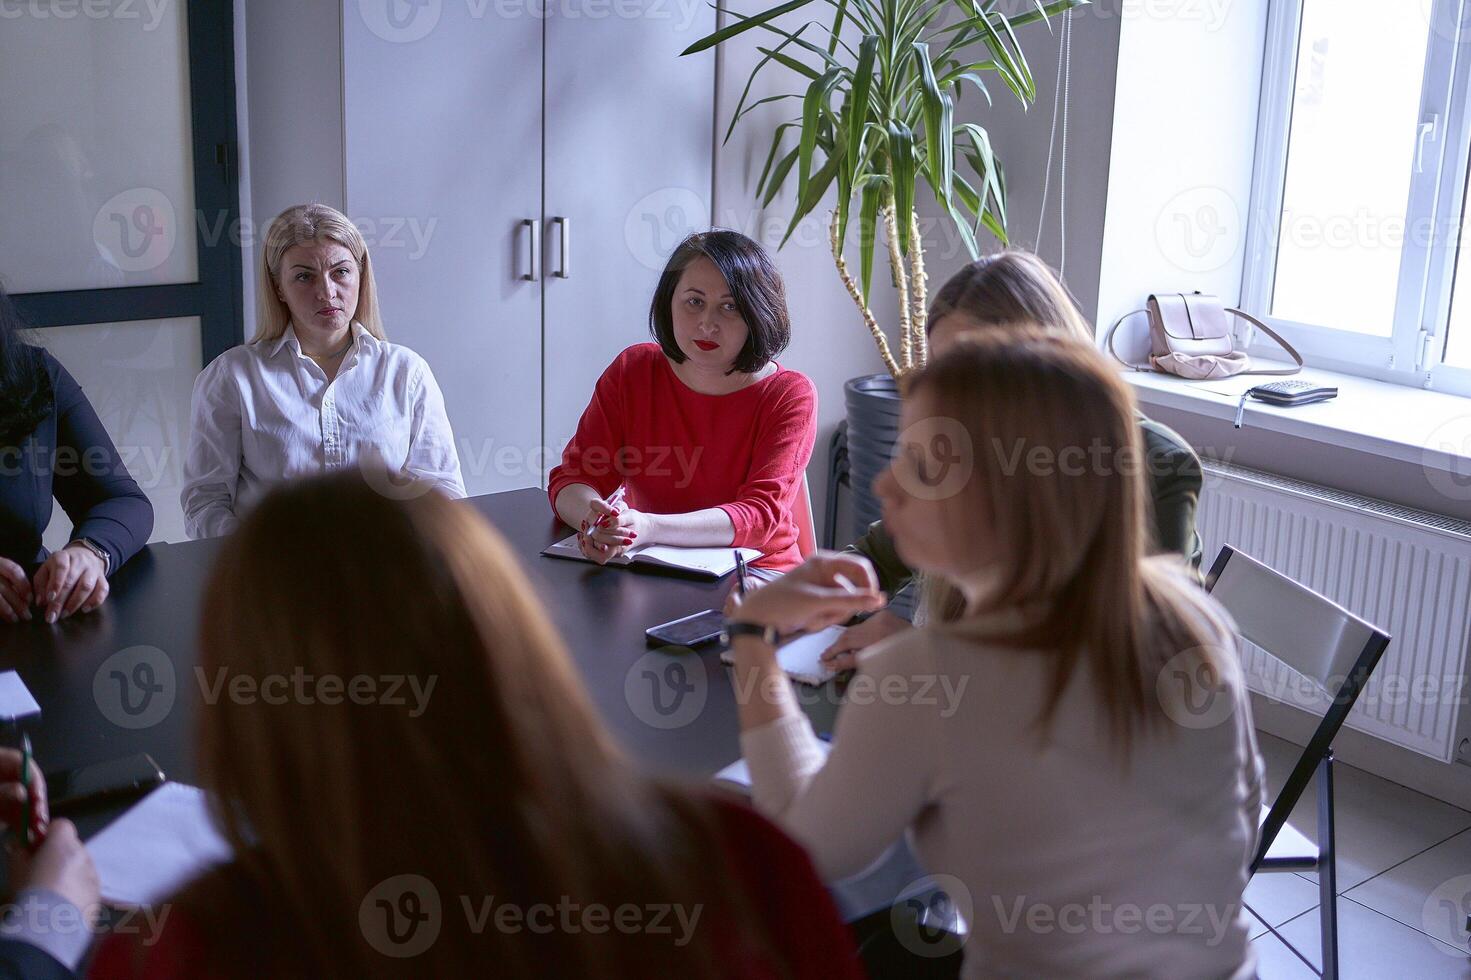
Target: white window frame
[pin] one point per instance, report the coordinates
(1412, 354)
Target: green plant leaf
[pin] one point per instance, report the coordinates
(1045, 11)
(746, 92)
(812, 106)
(868, 209)
(901, 158)
(939, 150)
(789, 62)
(837, 31)
(726, 33)
(812, 194)
(771, 154)
(777, 176)
(859, 107)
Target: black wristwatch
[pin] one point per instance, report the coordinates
(768, 634)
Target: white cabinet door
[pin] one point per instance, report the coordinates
(442, 118)
(628, 161)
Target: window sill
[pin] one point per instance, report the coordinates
(1430, 429)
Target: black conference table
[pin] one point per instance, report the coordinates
(674, 713)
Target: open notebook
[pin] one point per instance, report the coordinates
(713, 562)
(802, 658)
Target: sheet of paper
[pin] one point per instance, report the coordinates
(161, 844)
(16, 701)
(738, 773)
(802, 658)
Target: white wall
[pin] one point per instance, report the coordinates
(290, 116)
(830, 343)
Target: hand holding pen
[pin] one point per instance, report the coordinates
(612, 528)
(44, 853)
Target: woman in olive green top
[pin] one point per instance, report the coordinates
(1014, 288)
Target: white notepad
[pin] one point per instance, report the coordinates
(165, 841)
(16, 700)
(712, 562)
(802, 658)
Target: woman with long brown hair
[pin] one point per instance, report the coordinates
(380, 836)
(1014, 289)
(1076, 749)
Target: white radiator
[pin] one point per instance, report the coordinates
(1406, 571)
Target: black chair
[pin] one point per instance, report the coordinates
(1336, 651)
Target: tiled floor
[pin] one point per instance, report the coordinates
(1404, 882)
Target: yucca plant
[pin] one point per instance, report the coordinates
(877, 119)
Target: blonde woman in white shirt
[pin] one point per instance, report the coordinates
(1050, 749)
(318, 388)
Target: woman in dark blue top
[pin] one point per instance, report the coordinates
(53, 445)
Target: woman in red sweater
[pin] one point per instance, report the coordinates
(482, 825)
(705, 433)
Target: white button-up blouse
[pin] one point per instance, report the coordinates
(265, 412)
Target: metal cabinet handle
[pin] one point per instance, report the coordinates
(535, 263)
(565, 225)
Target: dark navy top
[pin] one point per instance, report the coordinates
(69, 457)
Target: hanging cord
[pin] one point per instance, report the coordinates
(1051, 141)
(1061, 101)
(1067, 99)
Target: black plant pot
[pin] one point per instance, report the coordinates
(873, 428)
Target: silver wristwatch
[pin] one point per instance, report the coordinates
(97, 550)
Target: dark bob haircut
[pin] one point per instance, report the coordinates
(755, 286)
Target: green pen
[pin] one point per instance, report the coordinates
(25, 783)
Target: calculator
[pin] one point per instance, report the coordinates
(1285, 394)
(1293, 393)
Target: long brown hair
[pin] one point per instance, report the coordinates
(505, 785)
(1012, 289)
(1058, 477)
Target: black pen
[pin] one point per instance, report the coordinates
(740, 572)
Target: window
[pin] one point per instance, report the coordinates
(1360, 188)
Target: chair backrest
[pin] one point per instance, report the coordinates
(1309, 633)
(802, 514)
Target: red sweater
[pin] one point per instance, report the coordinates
(774, 873)
(678, 451)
